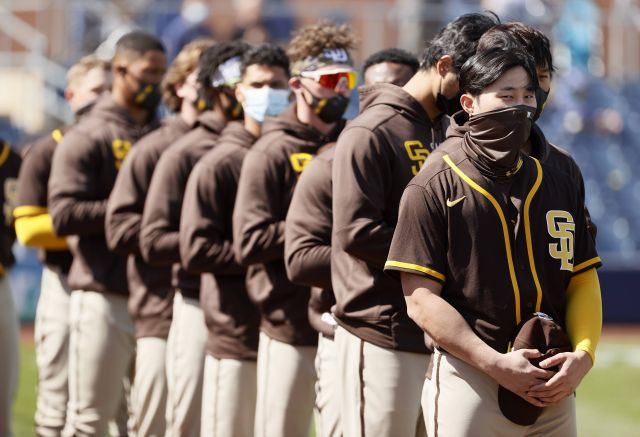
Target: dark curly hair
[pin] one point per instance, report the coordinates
(313, 39)
(458, 39)
(266, 54)
(395, 55)
(214, 56)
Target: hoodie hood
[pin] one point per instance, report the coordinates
(457, 124)
(288, 123)
(236, 134)
(391, 95)
(211, 121)
(106, 109)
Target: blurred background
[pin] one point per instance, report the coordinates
(593, 112)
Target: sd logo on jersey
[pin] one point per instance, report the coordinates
(120, 150)
(299, 161)
(417, 153)
(560, 225)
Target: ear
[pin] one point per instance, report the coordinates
(444, 65)
(239, 91)
(68, 94)
(179, 87)
(294, 83)
(467, 103)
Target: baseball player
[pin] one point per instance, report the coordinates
(84, 169)
(395, 66)
(229, 388)
(391, 138)
(151, 297)
(486, 237)
(218, 73)
(308, 248)
(322, 79)
(86, 81)
(9, 329)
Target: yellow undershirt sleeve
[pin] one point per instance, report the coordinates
(584, 312)
(37, 231)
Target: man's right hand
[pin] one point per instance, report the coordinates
(515, 372)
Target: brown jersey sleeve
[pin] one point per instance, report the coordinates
(75, 205)
(34, 174)
(204, 244)
(159, 233)
(361, 175)
(420, 241)
(258, 230)
(308, 227)
(124, 209)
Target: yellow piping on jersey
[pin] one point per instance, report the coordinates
(586, 264)
(505, 230)
(416, 267)
(57, 136)
(4, 155)
(527, 233)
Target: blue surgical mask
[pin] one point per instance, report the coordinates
(259, 102)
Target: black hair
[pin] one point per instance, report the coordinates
(139, 43)
(395, 55)
(487, 66)
(518, 35)
(266, 54)
(458, 39)
(217, 55)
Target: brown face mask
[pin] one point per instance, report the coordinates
(495, 138)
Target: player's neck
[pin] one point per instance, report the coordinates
(188, 112)
(138, 114)
(252, 126)
(420, 88)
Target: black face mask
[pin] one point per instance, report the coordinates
(331, 109)
(541, 99)
(448, 106)
(148, 96)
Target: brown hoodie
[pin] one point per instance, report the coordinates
(32, 189)
(159, 242)
(9, 167)
(206, 247)
(549, 155)
(307, 241)
(269, 175)
(84, 169)
(376, 156)
(150, 300)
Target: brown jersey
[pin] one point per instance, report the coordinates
(376, 156)
(541, 149)
(159, 233)
(502, 247)
(267, 180)
(32, 190)
(307, 237)
(9, 169)
(151, 297)
(84, 169)
(206, 246)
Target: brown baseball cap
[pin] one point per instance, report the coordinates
(539, 332)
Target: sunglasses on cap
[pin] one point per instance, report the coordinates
(332, 78)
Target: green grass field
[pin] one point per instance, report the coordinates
(608, 399)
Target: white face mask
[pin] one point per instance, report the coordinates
(260, 102)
